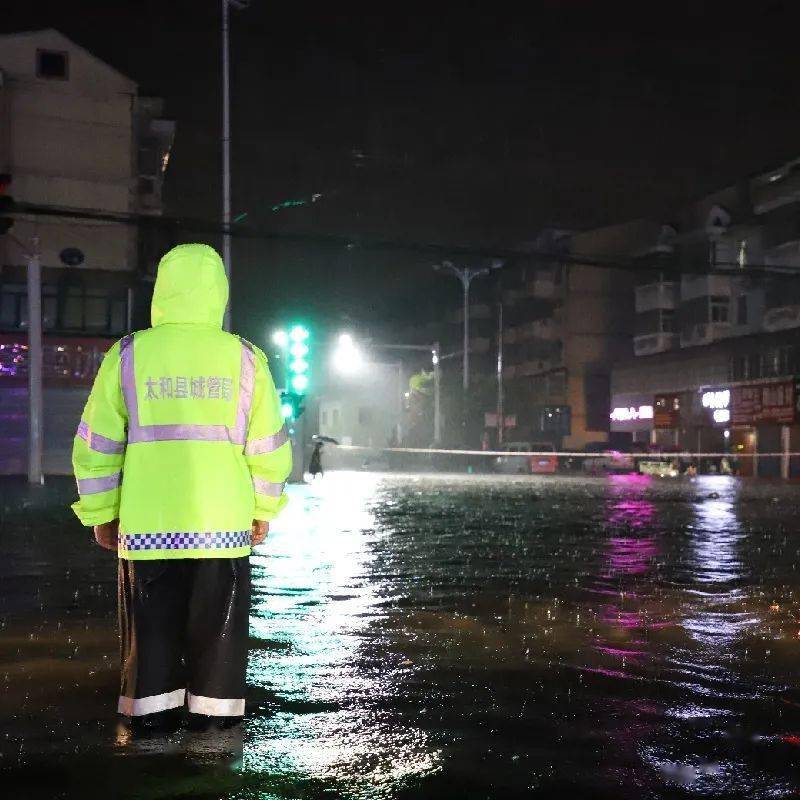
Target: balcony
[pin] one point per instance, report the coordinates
(782, 304)
(649, 343)
(536, 367)
(547, 328)
(656, 296)
(696, 286)
(704, 333)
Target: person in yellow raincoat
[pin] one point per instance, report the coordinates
(181, 458)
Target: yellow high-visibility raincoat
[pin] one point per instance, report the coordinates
(182, 437)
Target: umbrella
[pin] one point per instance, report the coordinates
(324, 439)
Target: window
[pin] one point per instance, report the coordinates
(335, 418)
(52, 64)
(739, 368)
(324, 419)
(741, 309)
(719, 308)
(667, 320)
(754, 365)
(364, 416)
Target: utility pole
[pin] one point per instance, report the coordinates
(501, 420)
(226, 147)
(35, 475)
(437, 395)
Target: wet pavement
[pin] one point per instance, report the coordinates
(440, 637)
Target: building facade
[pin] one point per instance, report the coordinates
(716, 353)
(75, 138)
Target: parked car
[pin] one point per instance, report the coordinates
(520, 462)
(659, 467)
(602, 459)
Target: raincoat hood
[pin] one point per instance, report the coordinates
(191, 287)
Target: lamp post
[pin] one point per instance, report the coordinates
(466, 275)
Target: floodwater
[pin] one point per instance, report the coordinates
(440, 637)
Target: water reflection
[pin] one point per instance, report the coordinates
(317, 657)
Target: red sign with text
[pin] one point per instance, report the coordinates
(768, 402)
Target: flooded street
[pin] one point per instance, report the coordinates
(440, 637)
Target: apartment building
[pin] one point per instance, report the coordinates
(75, 136)
(715, 356)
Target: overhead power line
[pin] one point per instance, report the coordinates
(435, 249)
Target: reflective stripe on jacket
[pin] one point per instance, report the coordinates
(182, 437)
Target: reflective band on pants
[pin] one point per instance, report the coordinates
(215, 706)
(96, 485)
(266, 487)
(257, 447)
(98, 443)
(186, 432)
(138, 706)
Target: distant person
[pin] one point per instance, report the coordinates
(188, 414)
(315, 465)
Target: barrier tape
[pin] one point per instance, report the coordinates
(560, 454)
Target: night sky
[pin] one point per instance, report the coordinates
(431, 124)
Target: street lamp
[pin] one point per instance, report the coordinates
(348, 359)
(466, 275)
(280, 339)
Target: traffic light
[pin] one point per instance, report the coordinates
(6, 204)
(292, 405)
(299, 366)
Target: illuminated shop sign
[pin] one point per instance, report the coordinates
(631, 413)
(718, 401)
(667, 411)
(769, 402)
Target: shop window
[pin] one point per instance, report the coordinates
(72, 314)
(13, 299)
(119, 316)
(49, 311)
(96, 313)
(719, 309)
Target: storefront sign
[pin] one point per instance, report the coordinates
(667, 411)
(718, 402)
(769, 402)
(631, 413)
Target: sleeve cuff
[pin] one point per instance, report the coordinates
(97, 516)
(268, 513)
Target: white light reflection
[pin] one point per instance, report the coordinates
(316, 609)
(717, 567)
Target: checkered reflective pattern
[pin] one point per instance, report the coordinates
(218, 540)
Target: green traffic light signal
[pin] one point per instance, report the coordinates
(300, 383)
